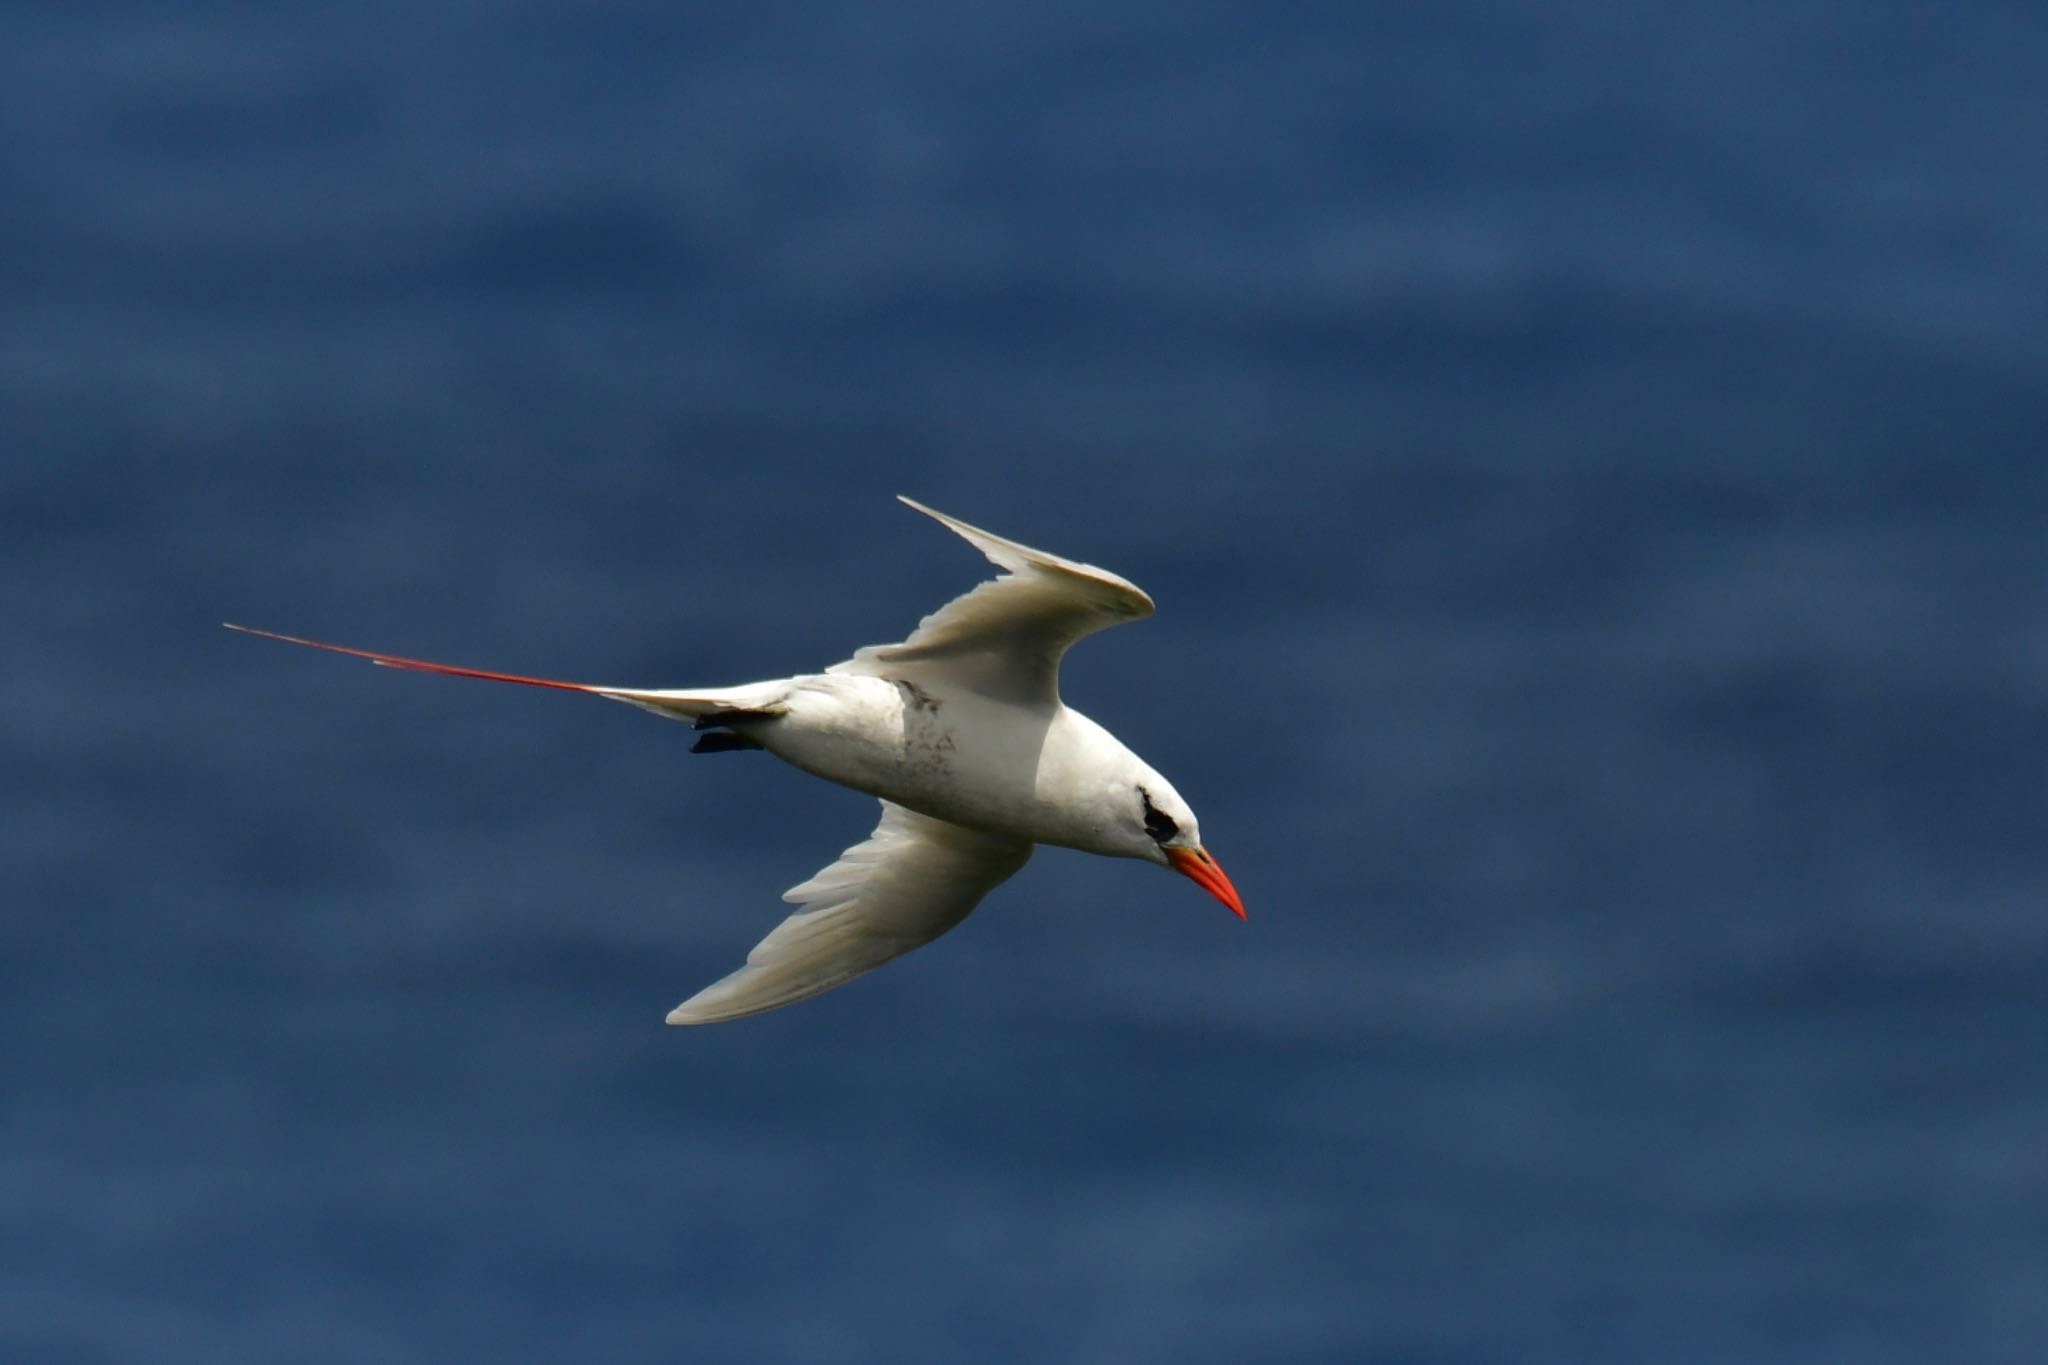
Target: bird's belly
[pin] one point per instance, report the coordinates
(957, 758)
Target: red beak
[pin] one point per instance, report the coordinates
(1196, 864)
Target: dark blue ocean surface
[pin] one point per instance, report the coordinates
(1592, 462)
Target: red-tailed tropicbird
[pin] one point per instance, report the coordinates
(960, 731)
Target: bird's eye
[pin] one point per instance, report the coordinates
(1157, 824)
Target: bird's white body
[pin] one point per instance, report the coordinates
(1040, 773)
(960, 731)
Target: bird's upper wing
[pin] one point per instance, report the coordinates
(912, 880)
(1005, 637)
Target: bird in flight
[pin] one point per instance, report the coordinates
(960, 731)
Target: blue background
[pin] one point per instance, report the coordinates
(1589, 459)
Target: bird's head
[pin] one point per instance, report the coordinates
(1158, 826)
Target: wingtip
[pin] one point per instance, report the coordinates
(695, 1011)
(974, 535)
(988, 542)
(715, 1003)
(1014, 557)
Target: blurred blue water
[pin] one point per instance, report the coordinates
(1589, 461)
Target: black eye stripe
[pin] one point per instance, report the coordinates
(1160, 826)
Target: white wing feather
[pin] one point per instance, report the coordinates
(1005, 637)
(912, 880)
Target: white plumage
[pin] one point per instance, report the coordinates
(960, 731)
(912, 880)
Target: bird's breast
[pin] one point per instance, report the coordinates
(957, 757)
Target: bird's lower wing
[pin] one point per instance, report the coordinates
(912, 880)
